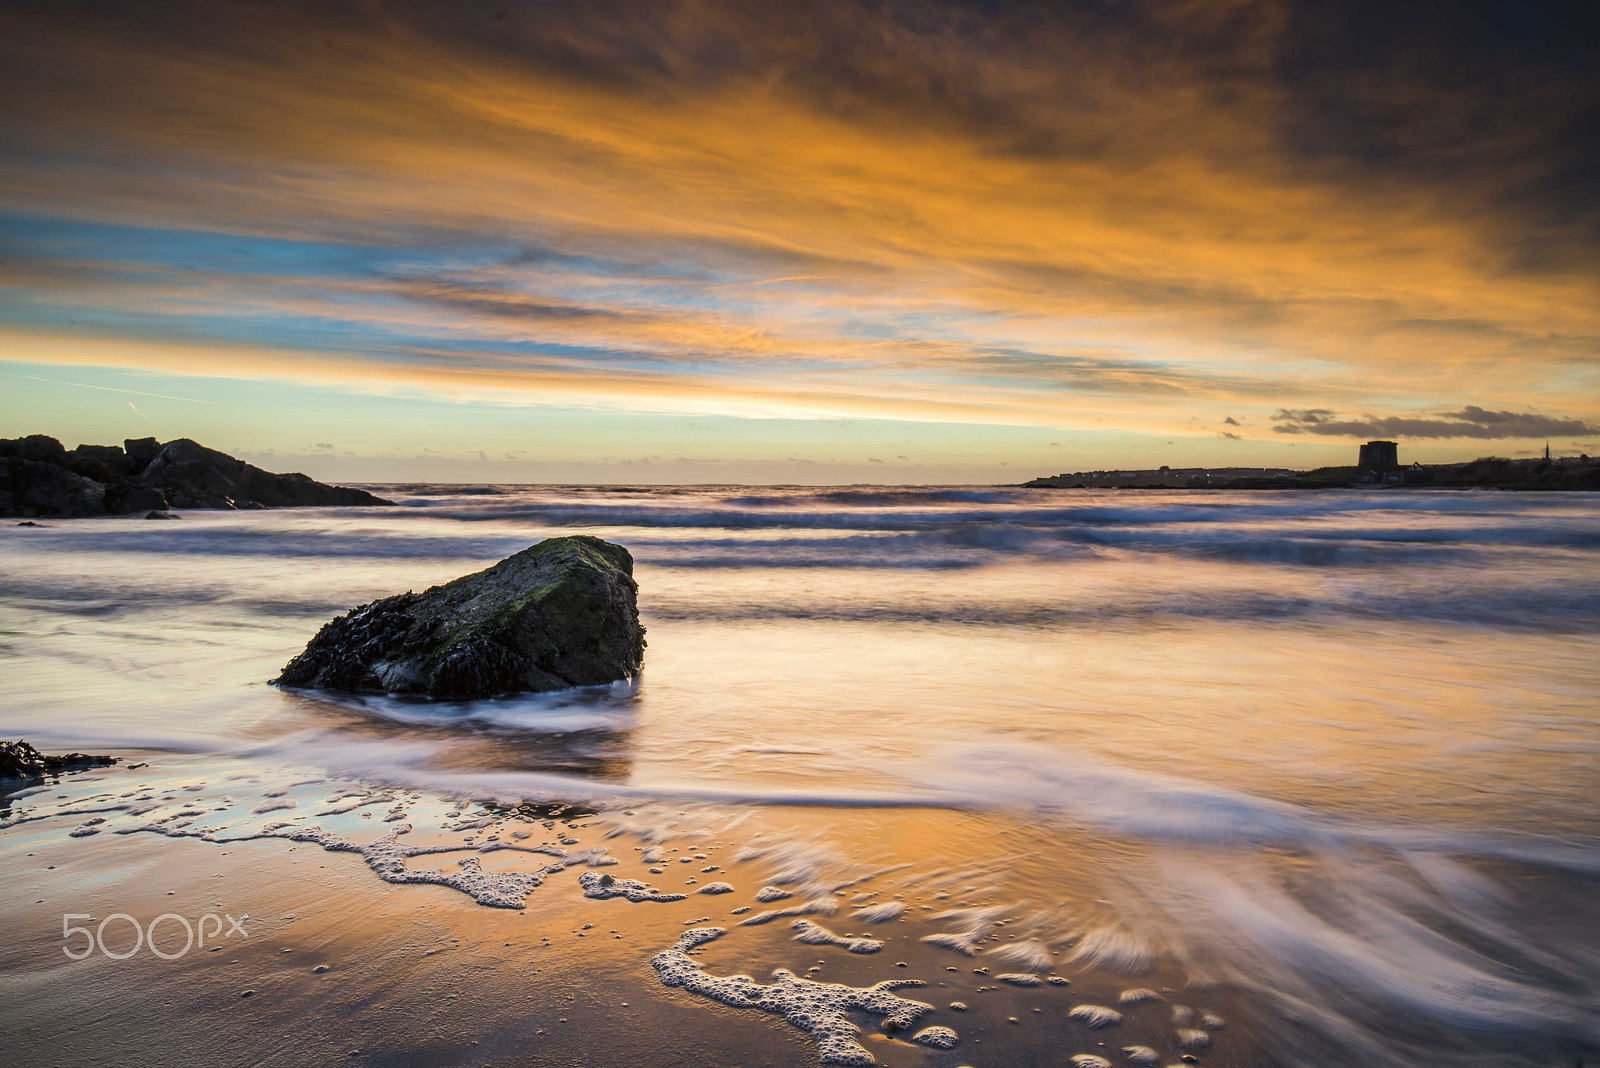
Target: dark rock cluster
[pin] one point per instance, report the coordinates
(39, 477)
(19, 760)
(1580, 473)
(1486, 472)
(559, 614)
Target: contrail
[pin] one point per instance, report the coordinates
(112, 389)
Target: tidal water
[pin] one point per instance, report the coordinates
(1330, 757)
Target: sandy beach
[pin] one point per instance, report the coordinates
(330, 961)
(1163, 753)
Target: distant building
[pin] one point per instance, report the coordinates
(1379, 457)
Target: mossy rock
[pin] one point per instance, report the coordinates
(559, 614)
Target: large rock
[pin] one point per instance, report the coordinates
(40, 478)
(141, 450)
(562, 613)
(39, 488)
(134, 498)
(186, 469)
(41, 448)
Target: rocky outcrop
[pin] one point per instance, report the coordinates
(37, 487)
(38, 477)
(19, 760)
(561, 613)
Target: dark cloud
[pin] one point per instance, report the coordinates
(1488, 103)
(934, 188)
(1495, 101)
(487, 300)
(1470, 422)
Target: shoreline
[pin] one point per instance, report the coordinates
(1312, 764)
(336, 960)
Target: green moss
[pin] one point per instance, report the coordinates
(559, 613)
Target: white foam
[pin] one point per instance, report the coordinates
(603, 887)
(817, 906)
(1095, 1016)
(361, 801)
(818, 1009)
(937, 1037)
(880, 913)
(1018, 979)
(970, 925)
(387, 857)
(1030, 953)
(1114, 948)
(1137, 996)
(773, 893)
(717, 888)
(1143, 1056)
(1089, 1060)
(817, 935)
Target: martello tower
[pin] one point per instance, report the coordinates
(1378, 457)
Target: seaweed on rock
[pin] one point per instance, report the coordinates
(558, 614)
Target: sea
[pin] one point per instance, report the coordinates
(1299, 778)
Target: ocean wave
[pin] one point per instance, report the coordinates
(214, 539)
(589, 708)
(878, 497)
(858, 546)
(1568, 608)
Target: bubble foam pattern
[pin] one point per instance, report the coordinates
(818, 1009)
(602, 887)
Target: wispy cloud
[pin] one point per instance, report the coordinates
(1078, 215)
(1470, 422)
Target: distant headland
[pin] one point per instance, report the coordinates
(1378, 464)
(40, 478)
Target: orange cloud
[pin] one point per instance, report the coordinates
(1036, 217)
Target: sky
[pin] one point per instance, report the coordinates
(820, 242)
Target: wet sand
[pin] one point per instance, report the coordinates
(1323, 765)
(423, 975)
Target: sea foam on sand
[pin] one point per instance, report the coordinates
(818, 1009)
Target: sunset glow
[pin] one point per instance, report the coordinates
(719, 242)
